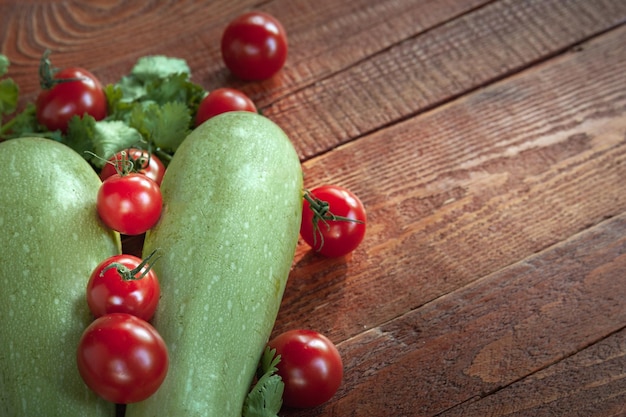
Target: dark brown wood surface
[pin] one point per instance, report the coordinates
(487, 140)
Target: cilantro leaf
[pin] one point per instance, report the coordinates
(113, 136)
(158, 99)
(149, 73)
(159, 66)
(81, 133)
(8, 89)
(175, 87)
(9, 92)
(164, 126)
(118, 108)
(97, 141)
(25, 124)
(4, 64)
(266, 398)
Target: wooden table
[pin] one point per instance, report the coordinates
(487, 140)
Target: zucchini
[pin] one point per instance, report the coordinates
(52, 240)
(232, 206)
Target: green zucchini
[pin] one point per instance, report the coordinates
(232, 209)
(52, 239)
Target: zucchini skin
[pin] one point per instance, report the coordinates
(52, 240)
(227, 237)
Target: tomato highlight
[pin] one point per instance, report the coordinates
(124, 284)
(254, 46)
(130, 204)
(122, 358)
(310, 366)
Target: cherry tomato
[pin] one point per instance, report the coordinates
(130, 204)
(254, 46)
(123, 284)
(310, 367)
(333, 238)
(57, 105)
(223, 100)
(122, 358)
(141, 162)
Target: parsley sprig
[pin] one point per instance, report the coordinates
(266, 398)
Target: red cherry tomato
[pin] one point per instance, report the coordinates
(57, 105)
(333, 238)
(123, 284)
(122, 358)
(223, 100)
(140, 159)
(310, 367)
(130, 204)
(254, 46)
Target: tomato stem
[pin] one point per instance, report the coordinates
(47, 71)
(130, 274)
(321, 213)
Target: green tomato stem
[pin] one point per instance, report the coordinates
(322, 213)
(128, 274)
(47, 71)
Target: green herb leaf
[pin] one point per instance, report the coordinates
(175, 87)
(4, 64)
(164, 126)
(98, 141)
(112, 137)
(266, 398)
(117, 107)
(81, 134)
(25, 124)
(159, 66)
(9, 92)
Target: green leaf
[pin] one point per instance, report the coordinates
(132, 88)
(98, 141)
(159, 66)
(266, 398)
(23, 124)
(112, 137)
(164, 126)
(81, 135)
(175, 87)
(9, 92)
(118, 109)
(4, 64)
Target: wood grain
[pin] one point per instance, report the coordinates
(437, 66)
(452, 196)
(487, 139)
(324, 37)
(590, 383)
(494, 333)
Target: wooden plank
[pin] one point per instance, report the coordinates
(436, 66)
(94, 35)
(340, 82)
(497, 331)
(324, 37)
(591, 383)
(470, 188)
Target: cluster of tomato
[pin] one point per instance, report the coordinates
(120, 355)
